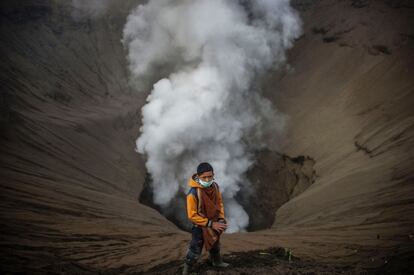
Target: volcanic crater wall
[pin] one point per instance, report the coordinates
(273, 180)
(70, 178)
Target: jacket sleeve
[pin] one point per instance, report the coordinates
(192, 212)
(221, 214)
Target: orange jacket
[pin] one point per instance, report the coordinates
(192, 204)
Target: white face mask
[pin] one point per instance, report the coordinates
(205, 183)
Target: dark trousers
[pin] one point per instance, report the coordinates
(196, 246)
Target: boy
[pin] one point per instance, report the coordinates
(206, 211)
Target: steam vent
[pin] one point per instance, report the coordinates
(305, 109)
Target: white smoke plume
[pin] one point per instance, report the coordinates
(204, 56)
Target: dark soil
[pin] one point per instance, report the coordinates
(271, 261)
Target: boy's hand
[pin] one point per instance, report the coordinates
(218, 226)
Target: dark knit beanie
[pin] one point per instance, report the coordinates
(204, 167)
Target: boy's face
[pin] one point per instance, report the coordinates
(206, 176)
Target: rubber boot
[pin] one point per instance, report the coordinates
(186, 268)
(217, 261)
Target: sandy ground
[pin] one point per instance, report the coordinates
(70, 179)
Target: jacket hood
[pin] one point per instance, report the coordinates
(192, 182)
